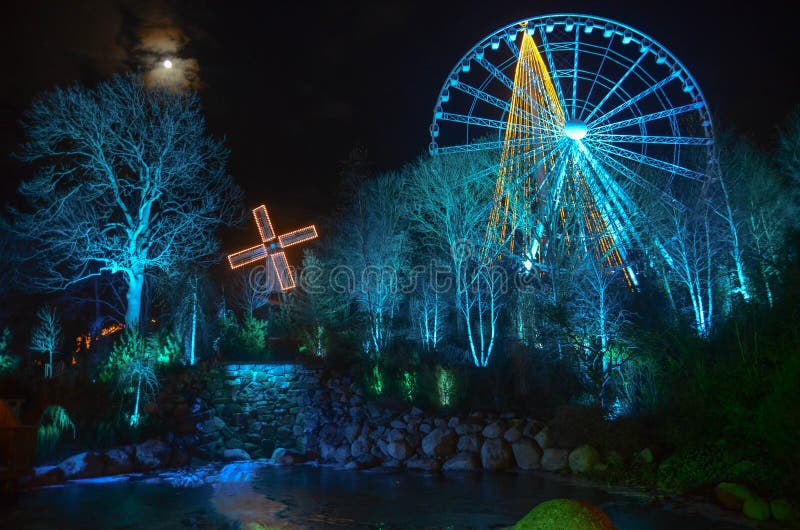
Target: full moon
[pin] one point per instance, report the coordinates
(167, 63)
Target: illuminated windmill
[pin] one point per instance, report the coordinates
(271, 249)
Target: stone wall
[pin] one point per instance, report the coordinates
(258, 407)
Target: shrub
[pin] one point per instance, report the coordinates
(53, 423)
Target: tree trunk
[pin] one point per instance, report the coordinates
(134, 299)
(194, 327)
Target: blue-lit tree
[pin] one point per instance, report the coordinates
(47, 336)
(127, 183)
(374, 248)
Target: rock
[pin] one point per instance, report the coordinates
(397, 424)
(441, 441)
(235, 454)
(211, 425)
(527, 454)
(82, 465)
(327, 451)
(342, 454)
(493, 430)
(781, 510)
(44, 476)
(565, 514)
(532, 428)
(732, 495)
(364, 462)
(452, 422)
(463, 462)
(512, 435)
(425, 428)
(399, 450)
(118, 461)
(470, 443)
(554, 459)
(359, 447)
(395, 435)
(756, 508)
(468, 428)
(543, 438)
(151, 454)
(424, 464)
(582, 459)
(351, 431)
(496, 454)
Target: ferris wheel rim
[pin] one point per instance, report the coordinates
(579, 20)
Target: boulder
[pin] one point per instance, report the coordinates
(565, 514)
(235, 454)
(781, 510)
(360, 447)
(496, 454)
(395, 435)
(119, 461)
(399, 450)
(554, 459)
(582, 459)
(211, 425)
(527, 454)
(342, 454)
(532, 428)
(543, 438)
(469, 427)
(152, 454)
(83, 465)
(470, 443)
(351, 431)
(463, 462)
(441, 441)
(493, 430)
(732, 495)
(756, 508)
(364, 462)
(422, 463)
(44, 476)
(512, 435)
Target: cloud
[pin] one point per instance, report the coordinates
(158, 36)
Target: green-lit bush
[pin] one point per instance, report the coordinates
(53, 423)
(243, 340)
(8, 362)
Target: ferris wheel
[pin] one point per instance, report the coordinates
(588, 119)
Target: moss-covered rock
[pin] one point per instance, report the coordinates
(583, 458)
(782, 510)
(732, 495)
(565, 514)
(756, 508)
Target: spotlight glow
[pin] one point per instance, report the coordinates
(167, 63)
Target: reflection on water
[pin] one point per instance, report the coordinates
(259, 497)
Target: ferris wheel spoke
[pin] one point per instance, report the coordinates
(621, 200)
(650, 161)
(645, 118)
(552, 118)
(498, 124)
(616, 86)
(642, 183)
(639, 139)
(635, 99)
(595, 79)
(491, 100)
(552, 67)
(575, 70)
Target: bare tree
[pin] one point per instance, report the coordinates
(450, 201)
(373, 244)
(127, 182)
(46, 337)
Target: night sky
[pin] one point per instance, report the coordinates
(295, 88)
